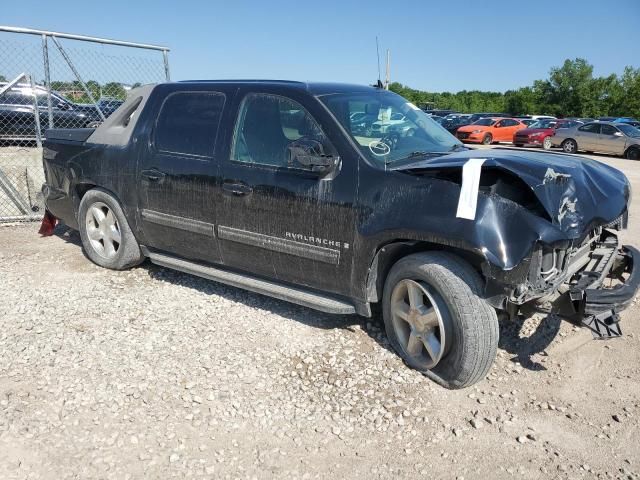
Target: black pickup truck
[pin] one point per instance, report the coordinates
(264, 185)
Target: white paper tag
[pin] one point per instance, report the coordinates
(468, 200)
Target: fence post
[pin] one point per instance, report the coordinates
(36, 111)
(47, 78)
(165, 57)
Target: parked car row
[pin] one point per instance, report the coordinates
(612, 135)
(17, 119)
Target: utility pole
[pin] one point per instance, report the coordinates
(386, 81)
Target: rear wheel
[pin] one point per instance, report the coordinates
(106, 236)
(519, 144)
(546, 143)
(436, 320)
(487, 139)
(633, 153)
(570, 146)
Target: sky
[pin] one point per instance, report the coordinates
(435, 45)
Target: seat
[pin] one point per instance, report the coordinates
(264, 138)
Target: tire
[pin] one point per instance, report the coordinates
(487, 139)
(468, 324)
(546, 143)
(569, 146)
(106, 237)
(632, 153)
(520, 145)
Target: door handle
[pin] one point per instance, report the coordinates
(236, 189)
(153, 175)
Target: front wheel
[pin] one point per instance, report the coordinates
(487, 139)
(546, 143)
(569, 146)
(436, 320)
(105, 233)
(633, 153)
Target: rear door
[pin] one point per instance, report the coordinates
(587, 136)
(276, 218)
(611, 140)
(177, 176)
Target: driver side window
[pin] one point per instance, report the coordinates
(267, 125)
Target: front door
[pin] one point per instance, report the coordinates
(278, 218)
(177, 176)
(611, 140)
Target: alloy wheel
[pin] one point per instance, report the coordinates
(418, 323)
(103, 230)
(569, 146)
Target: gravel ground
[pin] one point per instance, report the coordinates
(151, 373)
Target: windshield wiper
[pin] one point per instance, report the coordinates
(415, 154)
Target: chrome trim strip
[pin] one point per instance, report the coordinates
(181, 223)
(280, 245)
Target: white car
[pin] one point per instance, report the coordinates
(381, 126)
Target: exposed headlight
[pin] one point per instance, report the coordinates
(537, 134)
(476, 131)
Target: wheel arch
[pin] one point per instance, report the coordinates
(629, 149)
(391, 252)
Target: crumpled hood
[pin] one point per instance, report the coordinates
(576, 192)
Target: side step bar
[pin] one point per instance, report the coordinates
(257, 285)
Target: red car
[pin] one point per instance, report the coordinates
(540, 133)
(490, 130)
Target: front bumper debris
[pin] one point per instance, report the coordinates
(599, 307)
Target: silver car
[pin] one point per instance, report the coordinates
(604, 137)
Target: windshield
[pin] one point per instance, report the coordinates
(628, 130)
(392, 129)
(544, 124)
(487, 122)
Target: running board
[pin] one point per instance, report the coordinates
(257, 285)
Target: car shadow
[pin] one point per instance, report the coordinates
(516, 338)
(523, 348)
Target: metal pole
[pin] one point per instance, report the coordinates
(386, 82)
(36, 111)
(47, 77)
(12, 83)
(165, 56)
(106, 41)
(75, 72)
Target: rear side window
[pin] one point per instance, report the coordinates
(188, 123)
(14, 98)
(590, 128)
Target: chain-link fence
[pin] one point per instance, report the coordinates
(56, 80)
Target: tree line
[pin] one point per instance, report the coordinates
(570, 91)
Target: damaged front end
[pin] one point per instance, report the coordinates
(588, 283)
(561, 252)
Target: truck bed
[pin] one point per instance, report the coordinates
(68, 134)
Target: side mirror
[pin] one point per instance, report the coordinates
(311, 156)
(618, 134)
(62, 106)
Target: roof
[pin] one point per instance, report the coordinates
(316, 88)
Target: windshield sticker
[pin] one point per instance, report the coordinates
(468, 200)
(379, 148)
